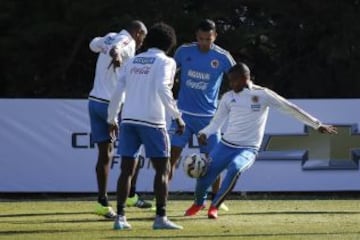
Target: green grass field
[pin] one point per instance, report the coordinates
(248, 219)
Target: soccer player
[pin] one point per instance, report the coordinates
(246, 106)
(202, 65)
(147, 80)
(113, 50)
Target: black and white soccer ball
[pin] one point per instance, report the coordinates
(195, 166)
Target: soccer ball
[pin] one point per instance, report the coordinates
(195, 166)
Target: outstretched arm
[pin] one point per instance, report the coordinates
(287, 107)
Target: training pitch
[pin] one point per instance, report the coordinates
(259, 218)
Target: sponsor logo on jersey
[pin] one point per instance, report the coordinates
(198, 75)
(196, 85)
(255, 107)
(144, 60)
(140, 70)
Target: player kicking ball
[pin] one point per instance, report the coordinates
(246, 106)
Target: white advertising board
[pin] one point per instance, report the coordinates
(45, 147)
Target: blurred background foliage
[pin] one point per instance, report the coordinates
(299, 48)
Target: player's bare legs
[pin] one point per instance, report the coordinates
(128, 166)
(161, 166)
(103, 207)
(175, 155)
(161, 186)
(102, 170)
(134, 200)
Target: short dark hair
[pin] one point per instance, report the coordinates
(240, 68)
(136, 25)
(206, 25)
(161, 36)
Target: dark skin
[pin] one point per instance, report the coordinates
(237, 83)
(105, 148)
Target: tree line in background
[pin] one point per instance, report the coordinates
(299, 48)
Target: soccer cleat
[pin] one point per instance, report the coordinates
(213, 212)
(121, 223)
(106, 212)
(194, 209)
(164, 223)
(136, 201)
(223, 207)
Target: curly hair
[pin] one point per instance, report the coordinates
(161, 36)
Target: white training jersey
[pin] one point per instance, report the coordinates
(105, 74)
(147, 80)
(247, 113)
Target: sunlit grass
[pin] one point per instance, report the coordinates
(248, 219)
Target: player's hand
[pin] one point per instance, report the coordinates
(116, 58)
(327, 129)
(113, 130)
(180, 126)
(202, 138)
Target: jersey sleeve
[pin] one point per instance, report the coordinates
(165, 76)
(96, 44)
(219, 118)
(177, 57)
(229, 61)
(99, 44)
(125, 48)
(285, 106)
(117, 97)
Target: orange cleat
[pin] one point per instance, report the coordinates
(213, 212)
(194, 209)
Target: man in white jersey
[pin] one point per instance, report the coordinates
(202, 65)
(246, 107)
(147, 80)
(113, 50)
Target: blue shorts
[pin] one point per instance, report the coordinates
(98, 121)
(155, 140)
(193, 125)
(225, 157)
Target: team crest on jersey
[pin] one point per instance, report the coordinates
(255, 99)
(256, 106)
(214, 63)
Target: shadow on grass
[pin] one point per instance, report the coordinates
(15, 232)
(293, 213)
(237, 235)
(203, 214)
(43, 214)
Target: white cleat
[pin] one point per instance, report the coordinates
(121, 223)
